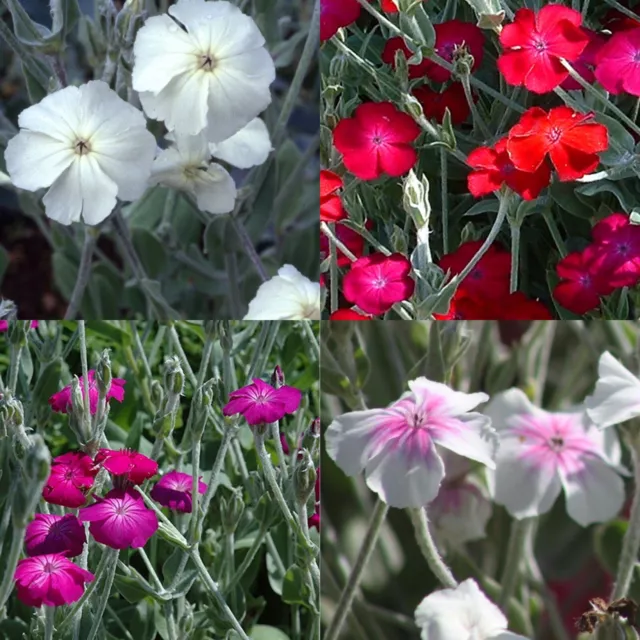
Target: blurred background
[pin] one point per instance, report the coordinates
(379, 357)
(185, 251)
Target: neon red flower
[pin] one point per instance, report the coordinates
(515, 306)
(534, 43)
(331, 209)
(450, 36)
(434, 103)
(348, 314)
(571, 139)
(618, 63)
(489, 279)
(351, 239)
(582, 282)
(493, 168)
(586, 61)
(618, 243)
(398, 44)
(376, 282)
(377, 140)
(335, 14)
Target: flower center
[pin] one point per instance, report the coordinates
(636, 56)
(555, 134)
(82, 147)
(377, 140)
(49, 567)
(557, 443)
(207, 62)
(380, 282)
(540, 46)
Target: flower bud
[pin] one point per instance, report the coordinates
(304, 477)
(18, 332)
(172, 535)
(277, 377)
(173, 377)
(231, 511)
(77, 400)
(415, 201)
(157, 394)
(37, 465)
(311, 438)
(266, 511)
(200, 406)
(103, 373)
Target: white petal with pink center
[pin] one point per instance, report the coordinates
(397, 449)
(616, 397)
(542, 453)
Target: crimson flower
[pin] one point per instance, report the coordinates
(351, 239)
(450, 36)
(493, 168)
(618, 243)
(376, 282)
(489, 279)
(174, 491)
(398, 44)
(260, 403)
(618, 63)
(377, 140)
(571, 139)
(331, 209)
(434, 103)
(348, 314)
(586, 61)
(120, 519)
(50, 579)
(514, 306)
(534, 43)
(133, 466)
(335, 14)
(582, 281)
(72, 475)
(61, 401)
(49, 533)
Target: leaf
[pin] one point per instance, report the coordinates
(135, 433)
(27, 31)
(620, 134)
(564, 194)
(65, 17)
(64, 274)
(263, 632)
(150, 251)
(48, 381)
(37, 91)
(489, 205)
(618, 190)
(294, 588)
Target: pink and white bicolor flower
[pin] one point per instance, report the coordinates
(616, 397)
(397, 447)
(543, 453)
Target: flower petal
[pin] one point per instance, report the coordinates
(249, 147)
(215, 190)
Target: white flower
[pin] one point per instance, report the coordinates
(287, 296)
(249, 147)
(186, 166)
(463, 613)
(88, 145)
(208, 69)
(616, 397)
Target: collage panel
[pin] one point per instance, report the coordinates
(159, 481)
(159, 158)
(479, 159)
(480, 480)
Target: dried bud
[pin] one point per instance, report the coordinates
(277, 377)
(311, 438)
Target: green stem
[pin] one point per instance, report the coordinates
(308, 332)
(86, 404)
(334, 241)
(84, 272)
(517, 542)
(14, 367)
(554, 231)
(333, 270)
(429, 550)
(515, 257)
(247, 560)
(49, 613)
(247, 244)
(349, 593)
(214, 589)
(478, 120)
(445, 200)
(112, 564)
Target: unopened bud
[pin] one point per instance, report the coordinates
(304, 477)
(462, 61)
(103, 373)
(200, 406)
(77, 400)
(231, 511)
(173, 376)
(18, 332)
(311, 438)
(277, 377)
(157, 394)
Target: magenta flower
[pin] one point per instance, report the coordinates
(4, 325)
(174, 490)
(618, 244)
(260, 403)
(49, 533)
(71, 477)
(120, 520)
(61, 401)
(617, 63)
(543, 453)
(398, 447)
(50, 579)
(131, 464)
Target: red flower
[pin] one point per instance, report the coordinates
(434, 103)
(618, 243)
(493, 167)
(398, 44)
(570, 138)
(348, 314)
(331, 209)
(618, 63)
(133, 466)
(582, 282)
(376, 282)
(464, 308)
(489, 279)
(517, 306)
(377, 140)
(389, 6)
(534, 44)
(450, 36)
(586, 60)
(335, 14)
(351, 239)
